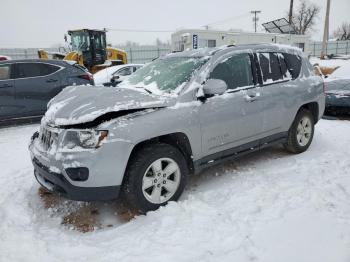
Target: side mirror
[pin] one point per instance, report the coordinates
(214, 87)
(115, 78)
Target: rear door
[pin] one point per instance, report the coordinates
(7, 92)
(35, 84)
(278, 96)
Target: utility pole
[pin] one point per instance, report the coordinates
(255, 18)
(291, 12)
(326, 30)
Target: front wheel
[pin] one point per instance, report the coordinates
(301, 132)
(155, 175)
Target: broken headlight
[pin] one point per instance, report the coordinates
(84, 138)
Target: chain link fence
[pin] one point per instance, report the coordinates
(332, 48)
(144, 54)
(135, 54)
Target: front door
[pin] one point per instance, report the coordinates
(233, 121)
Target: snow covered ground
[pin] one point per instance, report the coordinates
(269, 206)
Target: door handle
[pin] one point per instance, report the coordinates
(51, 80)
(251, 97)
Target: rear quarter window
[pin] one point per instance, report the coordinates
(48, 69)
(293, 63)
(75, 69)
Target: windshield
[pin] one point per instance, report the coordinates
(80, 41)
(166, 74)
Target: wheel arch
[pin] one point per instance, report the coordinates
(178, 140)
(313, 107)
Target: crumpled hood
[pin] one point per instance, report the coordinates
(82, 104)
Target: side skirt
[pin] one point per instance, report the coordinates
(236, 152)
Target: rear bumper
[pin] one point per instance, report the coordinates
(56, 182)
(334, 100)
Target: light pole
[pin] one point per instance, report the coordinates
(326, 30)
(291, 11)
(255, 18)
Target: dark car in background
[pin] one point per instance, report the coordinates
(26, 86)
(338, 91)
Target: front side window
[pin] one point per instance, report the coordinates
(25, 70)
(80, 41)
(5, 72)
(166, 74)
(236, 71)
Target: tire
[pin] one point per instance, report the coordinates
(301, 132)
(148, 184)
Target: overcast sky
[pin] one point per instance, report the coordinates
(42, 23)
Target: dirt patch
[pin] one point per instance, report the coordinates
(86, 216)
(49, 199)
(83, 220)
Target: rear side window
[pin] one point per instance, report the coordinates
(124, 72)
(293, 63)
(270, 67)
(5, 72)
(34, 69)
(236, 71)
(284, 70)
(136, 68)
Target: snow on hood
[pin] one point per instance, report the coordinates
(81, 104)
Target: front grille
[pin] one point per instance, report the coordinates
(47, 137)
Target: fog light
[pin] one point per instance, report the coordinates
(78, 173)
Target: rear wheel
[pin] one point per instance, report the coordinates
(301, 132)
(156, 174)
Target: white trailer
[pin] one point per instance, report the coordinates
(197, 38)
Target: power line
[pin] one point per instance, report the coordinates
(139, 30)
(226, 20)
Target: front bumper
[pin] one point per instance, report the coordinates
(56, 182)
(106, 166)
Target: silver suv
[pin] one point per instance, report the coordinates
(174, 117)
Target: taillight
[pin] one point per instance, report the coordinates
(3, 58)
(86, 77)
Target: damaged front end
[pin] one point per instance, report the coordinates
(79, 151)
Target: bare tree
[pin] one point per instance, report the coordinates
(342, 32)
(305, 16)
(162, 43)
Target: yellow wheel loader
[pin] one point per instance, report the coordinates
(89, 49)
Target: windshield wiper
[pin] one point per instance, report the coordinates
(146, 89)
(149, 91)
